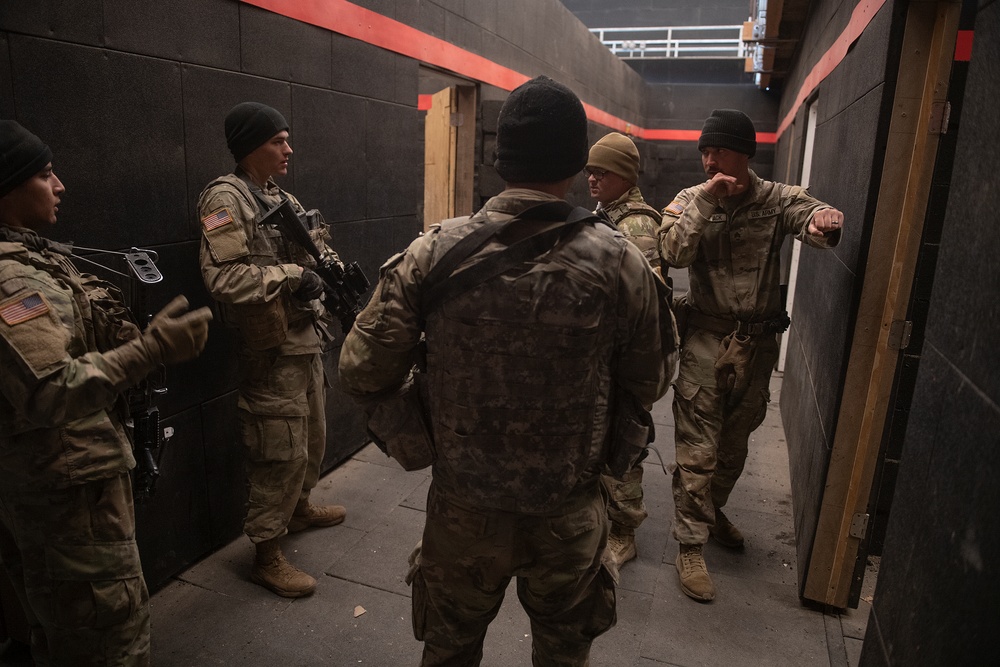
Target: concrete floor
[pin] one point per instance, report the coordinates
(360, 614)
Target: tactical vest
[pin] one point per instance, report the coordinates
(265, 325)
(619, 212)
(518, 371)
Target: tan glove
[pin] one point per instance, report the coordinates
(177, 335)
(734, 365)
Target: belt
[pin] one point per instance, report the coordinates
(725, 327)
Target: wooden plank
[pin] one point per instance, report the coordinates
(928, 44)
(465, 150)
(438, 160)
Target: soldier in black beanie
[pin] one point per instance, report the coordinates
(529, 320)
(728, 233)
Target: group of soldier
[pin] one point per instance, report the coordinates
(521, 348)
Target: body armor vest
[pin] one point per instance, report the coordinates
(519, 374)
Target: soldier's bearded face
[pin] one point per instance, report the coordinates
(606, 186)
(729, 162)
(34, 204)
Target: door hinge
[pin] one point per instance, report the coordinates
(457, 119)
(859, 525)
(899, 334)
(940, 114)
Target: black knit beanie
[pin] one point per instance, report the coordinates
(541, 133)
(249, 125)
(729, 128)
(22, 155)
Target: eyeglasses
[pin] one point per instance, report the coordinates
(598, 174)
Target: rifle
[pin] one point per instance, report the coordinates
(142, 418)
(345, 284)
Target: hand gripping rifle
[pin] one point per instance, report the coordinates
(345, 285)
(143, 419)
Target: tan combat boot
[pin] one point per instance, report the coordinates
(695, 581)
(725, 533)
(621, 544)
(273, 572)
(307, 515)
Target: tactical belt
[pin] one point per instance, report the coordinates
(723, 326)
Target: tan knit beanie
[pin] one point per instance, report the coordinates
(616, 153)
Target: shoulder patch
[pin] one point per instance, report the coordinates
(217, 219)
(23, 308)
(674, 208)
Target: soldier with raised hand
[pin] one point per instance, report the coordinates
(728, 232)
(612, 173)
(67, 524)
(266, 289)
(537, 316)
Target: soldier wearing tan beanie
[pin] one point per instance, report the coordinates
(612, 172)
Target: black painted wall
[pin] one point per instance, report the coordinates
(131, 97)
(935, 602)
(847, 161)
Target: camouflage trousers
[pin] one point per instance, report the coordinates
(74, 564)
(469, 556)
(712, 431)
(626, 510)
(283, 422)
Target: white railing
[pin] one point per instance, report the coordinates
(701, 41)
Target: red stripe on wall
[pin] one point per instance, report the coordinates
(863, 14)
(363, 24)
(963, 46)
(424, 102)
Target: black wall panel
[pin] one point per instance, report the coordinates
(120, 145)
(353, 64)
(78, 21)
(173, 528)
(6, 84)
(281, 48)
(332, 162)
(225, 481)
(394, 154)
(204, 32)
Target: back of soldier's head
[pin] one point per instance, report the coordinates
(541, 133)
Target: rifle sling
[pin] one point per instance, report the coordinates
(441, 285)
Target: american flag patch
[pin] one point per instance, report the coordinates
(674, 207)
(23, 309)
(216, 219)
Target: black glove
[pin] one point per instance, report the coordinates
(310, 286)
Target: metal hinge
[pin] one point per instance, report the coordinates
(457, 119)
(940, 114)
(899, 334)
(859, 525)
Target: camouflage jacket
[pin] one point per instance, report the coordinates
(519, 367)
(57, 388)
(637, 220)
(732, 248)
(244, 263)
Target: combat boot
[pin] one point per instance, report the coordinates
(725, 533)
(621, 544)
(693, 574)
(273, 572)
(307, 515)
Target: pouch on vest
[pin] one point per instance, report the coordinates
(397, 424)
(631, 432)
(262, 325)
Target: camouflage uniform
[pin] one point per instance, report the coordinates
(248, 267)
(67, 525)
(639, 222)
(519, 371)
(732, 249)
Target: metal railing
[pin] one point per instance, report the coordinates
(659, 43)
